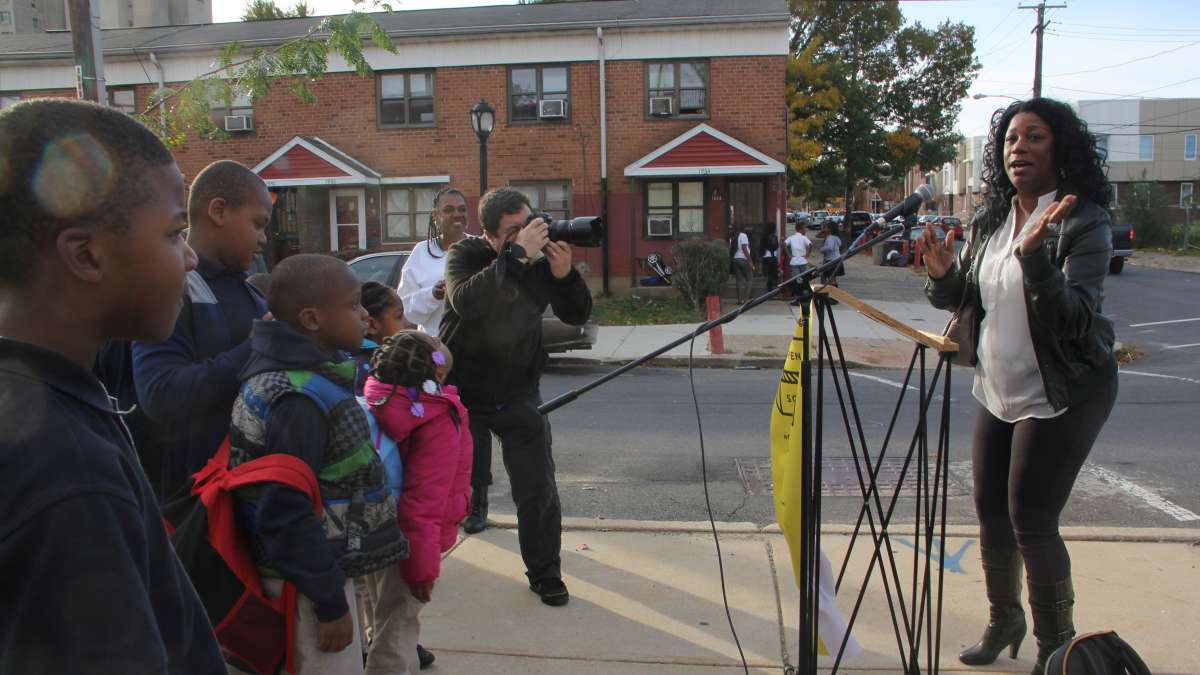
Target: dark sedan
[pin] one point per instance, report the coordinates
(557, 336)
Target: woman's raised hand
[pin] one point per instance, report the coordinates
(1041, 229)
(938, 255)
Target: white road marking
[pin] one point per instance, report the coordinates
(1160, 323)
(1155, 501)
(1193, 344)
(881, 380)
(1166, 377)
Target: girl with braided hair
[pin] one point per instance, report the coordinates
(423, 281)
(385, 317)
(406, 395)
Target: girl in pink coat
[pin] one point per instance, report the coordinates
(429, 424)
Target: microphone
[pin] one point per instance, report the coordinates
(909, 206)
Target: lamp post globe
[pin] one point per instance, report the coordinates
(483, 120)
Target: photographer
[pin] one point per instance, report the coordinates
(498, 287)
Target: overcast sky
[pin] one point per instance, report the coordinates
(1094, 48)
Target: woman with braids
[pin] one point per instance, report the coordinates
(406, 395)
(423, 281)
(385, 318)
(1045, 375)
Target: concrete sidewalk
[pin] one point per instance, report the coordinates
(646, 598)
(761, 336)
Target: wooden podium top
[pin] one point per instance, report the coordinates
(931, 340)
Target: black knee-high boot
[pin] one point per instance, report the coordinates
(476, 520)
(1002, 572)
(1052, 606)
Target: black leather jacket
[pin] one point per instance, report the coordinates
(1064, 292)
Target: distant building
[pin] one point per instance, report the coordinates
(39, 16)
(667, 117)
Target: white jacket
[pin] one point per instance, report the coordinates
(425, 267)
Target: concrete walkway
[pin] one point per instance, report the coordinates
(646, 598)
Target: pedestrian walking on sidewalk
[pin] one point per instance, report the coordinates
(1045, 373)
(743, 264)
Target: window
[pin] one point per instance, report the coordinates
(1185, 194)
(1114, 195)
(1102, 145)
(242, 107)
(406, 100)
(1189, 146)
(124, 100)
(674, 209)
(552, 198)
(677, 89)
(408, 210)
(9, 99)
(1145, 148)
(528, 85)
(5, 17)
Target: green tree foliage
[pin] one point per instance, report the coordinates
(177, 112)
(1144, 205)
(865, 91)
(267, 10)
(701, 268)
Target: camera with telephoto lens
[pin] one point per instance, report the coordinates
(586, 231)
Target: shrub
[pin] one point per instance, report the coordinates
(1143, 205)
(701, 269)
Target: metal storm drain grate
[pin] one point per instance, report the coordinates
(839, 478)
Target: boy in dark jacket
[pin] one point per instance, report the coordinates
(186, 385)
(297, 397)
(498, 286)
(91, 249)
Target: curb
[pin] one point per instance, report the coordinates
(707, 361)
(1154, 535)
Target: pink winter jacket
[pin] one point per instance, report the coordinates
(437, 471)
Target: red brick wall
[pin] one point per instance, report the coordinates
(745, 99)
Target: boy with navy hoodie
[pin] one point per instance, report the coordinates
(91, 249)
(186, 384)
(297, 397)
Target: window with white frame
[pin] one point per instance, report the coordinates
(528, 86)
(1185, 194)
(677, 89)
(1114, 195)
(407, 210)
(123, 99)
(553, 198)
(1145, 148)
(1102, 145)
(241, 106)
(674, 208)
(1189, 147)
(406, 100)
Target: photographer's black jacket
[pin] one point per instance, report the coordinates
(493, 320)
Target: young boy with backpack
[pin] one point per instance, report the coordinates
(297, 397)
(187, 383)
(91, 250)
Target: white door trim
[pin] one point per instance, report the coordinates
(361, 194)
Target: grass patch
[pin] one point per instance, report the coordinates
(633, 310)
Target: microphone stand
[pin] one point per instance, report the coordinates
(801, 280)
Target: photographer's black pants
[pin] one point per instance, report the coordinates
(525, 445)
(1024, 473)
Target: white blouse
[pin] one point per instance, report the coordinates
(1008, 381)
(421, 272)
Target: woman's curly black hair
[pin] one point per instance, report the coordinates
(1080, 165)
(404, 359)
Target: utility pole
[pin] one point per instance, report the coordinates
(1040, 28)
(89, 50)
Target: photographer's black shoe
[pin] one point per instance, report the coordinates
(476, 520)
(424, 657)
(552, 591)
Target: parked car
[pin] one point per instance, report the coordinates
(950, 223)
(893, 249)
(859, 221)
(1122, 241)
(819, 217)
(385, 267)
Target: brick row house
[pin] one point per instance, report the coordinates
(665, 117)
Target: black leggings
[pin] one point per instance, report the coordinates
(1024, 472)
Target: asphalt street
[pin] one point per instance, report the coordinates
(632, 448)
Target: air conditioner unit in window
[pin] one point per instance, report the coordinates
(552, 108)
(662, 106)
(660, 226)
(239, 123)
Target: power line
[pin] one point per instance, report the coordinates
(1124, 63)
(1092, 37)
(1147, 29)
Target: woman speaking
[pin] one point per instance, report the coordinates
(1045, 374)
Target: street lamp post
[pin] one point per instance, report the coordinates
(978, 97)
(483, 120)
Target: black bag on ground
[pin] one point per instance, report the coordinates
(1100, 653)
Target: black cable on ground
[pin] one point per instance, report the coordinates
(708, 505)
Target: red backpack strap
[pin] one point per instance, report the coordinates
(277, 468)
